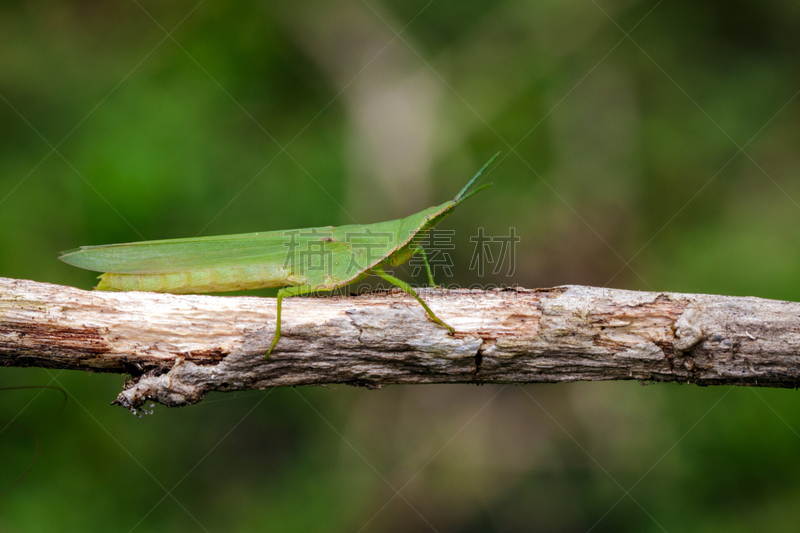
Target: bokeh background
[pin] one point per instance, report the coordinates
(647, 145)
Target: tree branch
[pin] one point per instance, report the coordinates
(178, 348)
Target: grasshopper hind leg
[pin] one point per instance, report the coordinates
(286, 291)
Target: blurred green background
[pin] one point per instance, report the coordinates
(646, 145)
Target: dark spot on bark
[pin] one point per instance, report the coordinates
(515, 320)
(206, 357)
(134, 369)
(52, 338)
(52, 346)
(667, 348)
(554, 290)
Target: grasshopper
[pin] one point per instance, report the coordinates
(300, 261)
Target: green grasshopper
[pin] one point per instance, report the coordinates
(300, 261)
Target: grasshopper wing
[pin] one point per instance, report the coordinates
(180, 255)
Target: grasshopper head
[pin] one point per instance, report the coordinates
(419, 224)
(434, 215)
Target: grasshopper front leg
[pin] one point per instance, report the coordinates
(420, 250)
(378, 270)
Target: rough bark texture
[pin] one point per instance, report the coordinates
(178, 348)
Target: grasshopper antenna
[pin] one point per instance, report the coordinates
(465, 192)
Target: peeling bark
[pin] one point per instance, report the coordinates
(178, 348)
